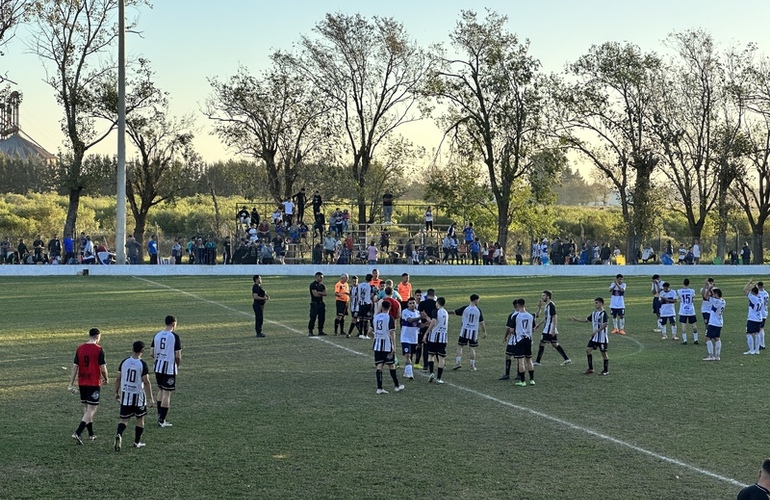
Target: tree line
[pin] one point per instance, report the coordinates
(683, 131)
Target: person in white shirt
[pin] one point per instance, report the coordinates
(384, 347)
(687, 311)
(599, 338)
(754, 321)
(618, 305)
(473, 321)
(668, 299)
(715, 321)
(765, 297)
(410, 329)
(131, 388)
(696, 252)
(288, 211)
(705, 307)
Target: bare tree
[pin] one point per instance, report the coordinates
(495, 109)
(370, 71)
(12, 13)
(279, 119)
(74, 38)
(605, 108)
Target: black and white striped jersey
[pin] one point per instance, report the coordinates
(549, 322)
(599, 320)
(132, 371)
(383, 325)
(364, 294)
(164, 345)
(439, 333)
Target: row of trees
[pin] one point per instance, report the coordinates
(687, 131)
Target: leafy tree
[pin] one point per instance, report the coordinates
(73, 36)
(459, 189)
(495, 106)
(370, 72)
(605, 100)
(279, 119)
(12, 13)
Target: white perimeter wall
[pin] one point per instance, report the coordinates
(388, 270)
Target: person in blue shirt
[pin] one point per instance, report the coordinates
(152, 249)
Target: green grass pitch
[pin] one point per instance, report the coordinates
(292, 417)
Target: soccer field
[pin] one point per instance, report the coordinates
(295, 417)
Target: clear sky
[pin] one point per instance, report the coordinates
(188, 41)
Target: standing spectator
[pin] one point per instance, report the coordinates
(5, 249)
(446, 247)
(288, 211)
(339, 223)
(89, 257)
(277, 214)
(696, 252)
(669, 248)
(259, 297)
(255, 216)
(166, 350)
(152, 249)
(428, 220)
(82, 247)
(227, 253)
(387, 206)
(22, 250)
(54, 248)
(176, 252)
(200, 251)
(371, 253)
(451, 231)
(385, 241)
(498, 257)
(319, 225)
(318, 253)
(90, 369)
(191, 250)
(317, 306)
(132, 250)
(243, 218)
(279, 246)
(130, 385)
(605, 254)
(409, 251)
(69, 250)
(475, 248)
(37, 245)
(330, 247)
(301, 200)
(469, 233)
(746, 254)
(211, 251)
(317, 203)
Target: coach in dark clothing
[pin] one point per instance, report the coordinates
(260, 297)
(317, 306)
(301, 200)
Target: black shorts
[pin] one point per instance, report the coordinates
(364, 310)
(407, 348)
(132, 411)
(329, 252)
(165, 381)
(469, 337)
(602, 346)
(656, 305)
(384, 357)
(713, 332)
(510, 350)
(89, 395)
(342, 308)
(548, 338)
(437, 349)
(618, 312)
(523, 349)
(706, 317)
(667, 319)
(688, 319)
(753, 326)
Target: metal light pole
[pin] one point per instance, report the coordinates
(120, 226)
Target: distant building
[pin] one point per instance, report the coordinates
(12, 142)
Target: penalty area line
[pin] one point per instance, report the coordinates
(524, 409)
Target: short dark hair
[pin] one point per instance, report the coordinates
(369, 277)
(710, 280)
(766, 466)
(686, 281)
(759, 283)
(319, 273)
(619, 276)
(388, 290)
(474, 297)
(548, 293)
(441, 301)
(656, 276)
(255, 277)
(170, 320)
(385, 305)
(717, 292)
(94, 332)
(599, 299)
(404, 274)
(666, 284)
(138, 346)
(431, 291)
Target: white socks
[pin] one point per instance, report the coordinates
(718, 348)
(684, 336)
(694, 336)
(710, 348)
(750, 342)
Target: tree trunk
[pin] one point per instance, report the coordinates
(141, 222)
(722, 213)
(758, 250)
(503, 224)
(72, 211)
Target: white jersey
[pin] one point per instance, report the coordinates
(705, 306)
(668, 309)
(439, 333)
(599, 321)
(716, 310)
(755, 308)
(383, 325)
(354, 298)
(525, 323)
(164, 345)
(617, 296)
(132, 371)
(686, 301)
(471, 318)
(410, 326)
(764, 296)
(656, 288)
(364, 294)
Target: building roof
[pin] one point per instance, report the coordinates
(17, 146)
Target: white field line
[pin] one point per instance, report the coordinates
(524, 409)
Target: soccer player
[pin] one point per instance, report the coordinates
(765, 297)
(130, 385)
(342, 300)
(473, 320)
(426, 307)
(317, 306)
(550, 332)
(90, 369)
(761, 489)
(715, 322)
(510, 340)
(260, 297)
(365, 306)
(410, 328)
(667, 298)
(166, 350)
(705, 307)
(522, 347)
(437, 340)
(754, 322)
(656, 289)
(599, 339)
(384, 347)
(618, 305)
(687, 311)
(354, 306)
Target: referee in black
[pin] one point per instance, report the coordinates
(260, 297)
(317, 306)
